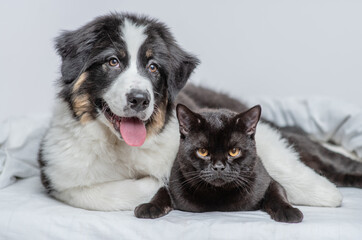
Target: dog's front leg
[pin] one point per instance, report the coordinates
(111, 196)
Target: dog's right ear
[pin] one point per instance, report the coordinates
(74, 47)
(184, 64)
(187, 119)
(249, 120)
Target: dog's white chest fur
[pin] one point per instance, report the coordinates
(80, 156)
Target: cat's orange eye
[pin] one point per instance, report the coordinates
(202, 152)
(234, 152)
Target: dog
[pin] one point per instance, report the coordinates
(113, 136)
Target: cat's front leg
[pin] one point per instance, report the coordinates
(159, 206)
(278, 207)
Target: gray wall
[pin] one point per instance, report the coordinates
(274, 48)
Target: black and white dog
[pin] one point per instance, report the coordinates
(114, 136)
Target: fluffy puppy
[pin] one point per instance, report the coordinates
(113, 135)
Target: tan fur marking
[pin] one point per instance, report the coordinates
(158, 120)
(86, 117)
(123, 53)
(82, 107)
(80, 81)
(149, 53)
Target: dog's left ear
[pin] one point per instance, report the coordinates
(183, 65)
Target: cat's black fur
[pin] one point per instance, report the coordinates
(219, 181)
(341, 170)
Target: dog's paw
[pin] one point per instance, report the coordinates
(288, 215)
(149, 210)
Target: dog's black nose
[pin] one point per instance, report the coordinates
(138, 100)
(218, 166)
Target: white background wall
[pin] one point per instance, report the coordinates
(273, 48)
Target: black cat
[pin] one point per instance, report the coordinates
(341, 170)
(217, 169)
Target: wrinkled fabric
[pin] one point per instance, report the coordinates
(19, 144)
(28, 213)
(325, 119)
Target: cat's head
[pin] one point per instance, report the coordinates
(217, 147)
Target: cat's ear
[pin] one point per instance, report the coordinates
(187, 119)
(249, 119)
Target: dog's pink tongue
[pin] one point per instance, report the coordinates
(133, 131)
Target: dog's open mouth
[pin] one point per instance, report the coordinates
(132, 129)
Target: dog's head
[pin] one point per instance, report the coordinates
(124, 71)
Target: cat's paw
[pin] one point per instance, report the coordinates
(150, 210)
(288, 215)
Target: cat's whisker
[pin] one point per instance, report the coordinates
(190, 180)
(199, 184)
(245, 184)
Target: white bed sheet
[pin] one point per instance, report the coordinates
(28, 213)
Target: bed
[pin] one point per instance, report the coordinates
(26, 212)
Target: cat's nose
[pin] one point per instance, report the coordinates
(218, 166)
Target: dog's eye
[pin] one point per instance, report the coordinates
(234, 152)
(202, 152)
(152, 68)
(113, 62)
